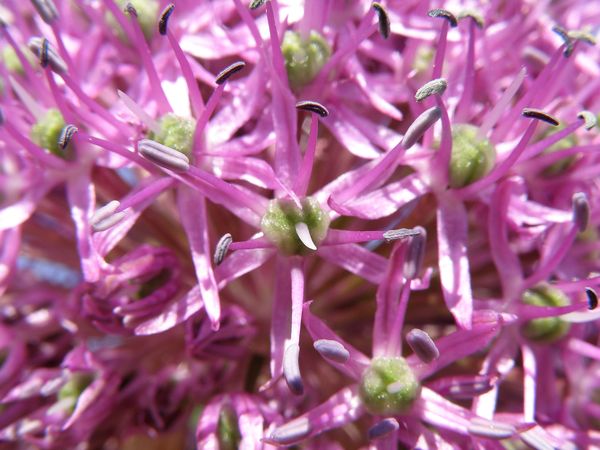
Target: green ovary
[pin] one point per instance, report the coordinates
(12, 61)
(304, 58)
(423, 59)
(46, 131)
(279, 224)
(472, 156)
(175, 132)
(546, 329)
(73, 388)
(562, 164)
(228, 430)
(373, 388)
(147, 16)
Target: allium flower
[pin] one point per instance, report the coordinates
(184, 185)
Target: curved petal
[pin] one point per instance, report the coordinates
(192, 211)
(453, 260)
(357, 260)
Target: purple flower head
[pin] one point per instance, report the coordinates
(180, 181)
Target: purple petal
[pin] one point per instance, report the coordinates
(176, 313)
(453, 261)
(192, 211)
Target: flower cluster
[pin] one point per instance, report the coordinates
(221, 221)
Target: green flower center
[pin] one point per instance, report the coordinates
(12, 61)
(562, 164)
(423, 59)
(546, 329)
(389, 387)
(279, 224)
(154, 283)
(304, 58)
(228, 430)
(472, 156)
(73, 388)
(175, 132)
(46, 131)
(147, 15)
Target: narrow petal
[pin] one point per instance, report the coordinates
(357, 260)
(192, 211)
(453, 260)
(341, 408)
(81, 194)
(178, 312)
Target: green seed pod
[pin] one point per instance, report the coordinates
(175, 132)
(423, 59)
(46, 131)
(472, 156)
(69, 393)
(147, 16)
(546, 329)
(154, 283)
(12, 61)
(228, 430)
(389, 387)
(563, 164)
(304, 58)
(279, 224)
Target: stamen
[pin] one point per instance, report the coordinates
(307, 105)
(592, 298)
(383, 428)
(582, 36)
(383, 18)
(589, 118)
(445, 15)
(304, 235)
(333, 350)
(222, 248)
(423, 346)
(566, 38)
(164, 18)
(415, 254)
(130, 9)
(420, 125)
(437, 86)
(65, 136)
(106, 217)
(196, 101)
(490, 429)
(46, 9)
(472, 14)
(292, 431)
(401, 233)
(539, 115)
(46, 54)
(291, 369)
(581, 210)
(255, 4)
(163, 156)
(228, 71)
